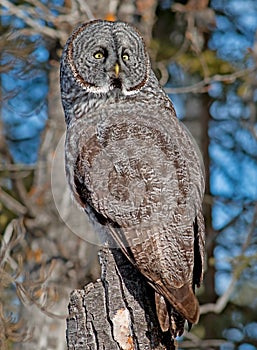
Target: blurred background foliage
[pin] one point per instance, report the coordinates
(204, 53)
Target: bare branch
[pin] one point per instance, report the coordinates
(31, 10)
(23, 195)
(251, 231)
(37, 292)
(203, 344)
(223, 300)
(203, 85)
(45, 9)
(86, 9)
(41, 29)
(14, 234)
(17, 167)
(12, 204)
(251, 129)
(195, 342)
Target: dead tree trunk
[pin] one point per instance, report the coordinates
(115, 312)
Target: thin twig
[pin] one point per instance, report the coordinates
(223, 300)
(86, 9)
(251, 231)
(17, 167)
(41, 29)
(195, 342)
(205, 83)
(12, 204)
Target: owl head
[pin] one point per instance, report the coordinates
(104, 57)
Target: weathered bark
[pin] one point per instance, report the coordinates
(116, 312)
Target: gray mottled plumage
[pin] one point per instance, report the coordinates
(131, 164)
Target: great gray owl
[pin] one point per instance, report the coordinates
(132, 166)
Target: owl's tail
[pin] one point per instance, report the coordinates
(169, 319)
(173, 309)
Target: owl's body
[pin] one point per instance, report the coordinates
(132, 166)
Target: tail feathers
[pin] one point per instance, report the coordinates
(177, 323)
(187, 303)
(174, 306)
(162, 312)
(169, 318)
(183, 300)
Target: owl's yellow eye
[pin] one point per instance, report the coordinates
(125, 57)
(98, 55)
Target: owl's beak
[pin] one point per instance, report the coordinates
(117, 69)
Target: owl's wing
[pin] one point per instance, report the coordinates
(183, 300)
(173, 271)
(142, 180)
(173, 305)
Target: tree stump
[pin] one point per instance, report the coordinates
(115, 312)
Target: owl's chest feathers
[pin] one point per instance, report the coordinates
(92, 102)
